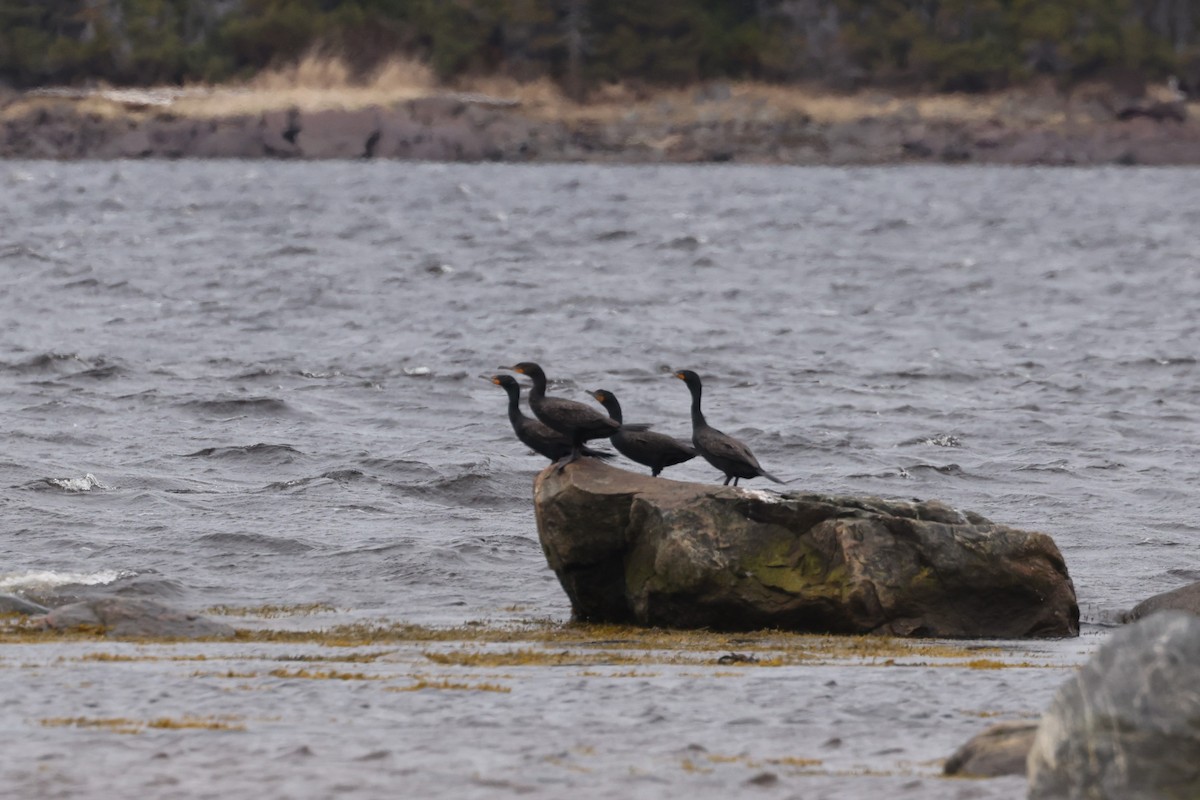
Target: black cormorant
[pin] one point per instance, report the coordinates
(580, 423)
(722, 451)
(536, 436)
(656, 450)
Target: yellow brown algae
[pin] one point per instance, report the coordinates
(578, 645)
(527, 663)
(322, 675)
(126, 725)
(451, 685)
(271, 611)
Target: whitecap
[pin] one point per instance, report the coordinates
(48, 579)
(84, 484)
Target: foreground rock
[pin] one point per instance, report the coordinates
(1127, 726)
(1000, 750)
(1185, 598)
(631, 548)
(135, 618)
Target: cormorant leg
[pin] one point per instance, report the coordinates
(575, 456)
(727, 479)
(735, 480)
(654, 471)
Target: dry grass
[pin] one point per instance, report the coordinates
(315, 83)
(319, 82)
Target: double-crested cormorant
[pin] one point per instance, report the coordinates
(656, 450)
(539, 438)
(580, 423)
(723, 452)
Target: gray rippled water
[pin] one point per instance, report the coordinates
(261, 383)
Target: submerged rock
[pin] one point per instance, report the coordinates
(133, 617)
(1127, 726)
(14, 604)
(651, 551)
(1002, 749)
(1185, 598)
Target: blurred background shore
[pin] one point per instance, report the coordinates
(775, 81)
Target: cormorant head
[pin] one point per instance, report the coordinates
(609, 401)
(688, 377)
(527, 368)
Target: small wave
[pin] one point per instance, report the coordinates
(255, 543)
(1060, 465)
(268, 373)
(943, 469)
(41, 580)
(397, 466)
(469, 490)
(46, 362)
(1163, 361)
(84, 484)
(937, 440)
(920, 375)
(686, 244)
(273, 453)
(20, 250)
(239, 406)
(339, 476)
(894, 224)
(614, 235)
(101, 372)
(291, 250)
(344, 475)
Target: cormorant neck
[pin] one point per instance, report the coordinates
(539, 384)
(614, 409)
(697, 415)
(514, 404)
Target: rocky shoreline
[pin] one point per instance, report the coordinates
(705, 129)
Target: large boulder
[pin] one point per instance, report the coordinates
(1127, 726)
(134, 618)
(651, 551)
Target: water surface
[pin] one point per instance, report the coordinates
(252, 383)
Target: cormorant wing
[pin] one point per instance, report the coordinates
(722, 445)
(572, 414)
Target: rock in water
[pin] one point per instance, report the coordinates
(134, 618)
(651, 551)
(1127, 726)
(1000, 750)
(1185, 598)
(13, 604)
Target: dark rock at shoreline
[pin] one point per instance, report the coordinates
(135, 618)
(1127, 726)
(456, 127)
(631, 548)
(1185, 598)
(1002, 749)
(12, 604)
